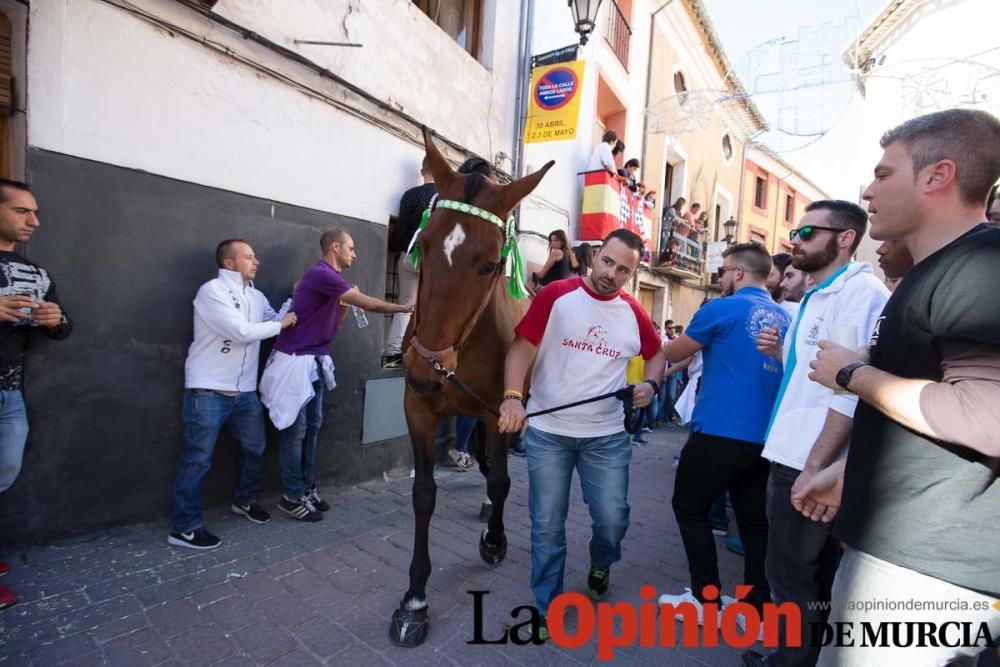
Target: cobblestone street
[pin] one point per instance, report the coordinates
(302, 594)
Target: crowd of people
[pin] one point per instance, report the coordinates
(848, 420)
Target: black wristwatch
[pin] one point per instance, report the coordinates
(652, 383)
(844, 374)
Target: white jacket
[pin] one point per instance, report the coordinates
(230, 320)
(850, 297)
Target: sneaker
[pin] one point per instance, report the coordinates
(735, 544)
(252, 511)
(392, 361)
(742, 624)
(518, 449)
(543, 629)
(720, 532)
(646, 429)
(598, 582)
(4, 569)
(313, 496)
(196, 539)
(676, 601)
(302, 510)
(8, 598)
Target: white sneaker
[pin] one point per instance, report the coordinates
(741, 622)
(687, 596)
(676, 601)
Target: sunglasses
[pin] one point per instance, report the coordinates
(722, 269)
(806, 233)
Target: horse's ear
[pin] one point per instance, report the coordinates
(439, 166)
(514, 192)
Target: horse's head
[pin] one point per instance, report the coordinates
(461, 263)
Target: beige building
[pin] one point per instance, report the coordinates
(775, 194)
(698, 123)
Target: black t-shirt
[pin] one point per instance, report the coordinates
(18, 276)
(559, 271)
(412, 205)
(909, 499)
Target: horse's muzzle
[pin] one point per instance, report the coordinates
(424, 388)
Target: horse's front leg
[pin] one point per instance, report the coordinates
(493, 542)
(410, 621)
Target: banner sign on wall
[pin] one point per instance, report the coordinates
(554, 105)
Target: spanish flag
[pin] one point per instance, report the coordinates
(609, 205)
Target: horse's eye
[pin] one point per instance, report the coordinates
(488, 268)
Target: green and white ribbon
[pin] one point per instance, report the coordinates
(510, 255)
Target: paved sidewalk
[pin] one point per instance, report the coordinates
(290, 593)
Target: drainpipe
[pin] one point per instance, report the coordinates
(645, 116)
(525, 35)
(645, 131)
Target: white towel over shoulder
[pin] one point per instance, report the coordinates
(287, 384)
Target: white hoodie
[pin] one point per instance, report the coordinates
(850, 297)
(230, 320)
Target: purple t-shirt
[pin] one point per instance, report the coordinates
(316, 304)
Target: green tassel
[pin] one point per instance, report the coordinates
(514, 268)
(414, 250)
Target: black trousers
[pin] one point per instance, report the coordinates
(709, 466)
(802, 559)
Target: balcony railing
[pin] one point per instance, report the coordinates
(683, 247)
(618, 33)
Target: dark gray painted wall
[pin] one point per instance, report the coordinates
(128, 251)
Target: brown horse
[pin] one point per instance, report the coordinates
(463, 322)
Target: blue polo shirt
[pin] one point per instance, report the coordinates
(739, 384)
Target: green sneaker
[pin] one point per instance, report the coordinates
(598, 582)
(543, 630)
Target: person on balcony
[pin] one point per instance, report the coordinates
(602, 157)
(628, 172)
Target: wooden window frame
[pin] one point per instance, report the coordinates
(790, 195)
(760, 174)
(473, 23)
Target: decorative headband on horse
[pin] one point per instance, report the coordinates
(510, 253)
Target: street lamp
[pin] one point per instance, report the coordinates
(585, 17)
(730, 228)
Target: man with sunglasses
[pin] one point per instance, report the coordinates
(738, 387)
(811, 425)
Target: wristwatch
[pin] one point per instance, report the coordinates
(844, 374)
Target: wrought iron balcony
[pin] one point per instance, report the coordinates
(618, 33)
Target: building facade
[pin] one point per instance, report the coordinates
(152, 129)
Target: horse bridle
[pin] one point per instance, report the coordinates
(508, 250)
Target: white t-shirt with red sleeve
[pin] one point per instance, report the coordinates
(584, 343)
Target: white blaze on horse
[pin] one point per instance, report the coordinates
(469, 299)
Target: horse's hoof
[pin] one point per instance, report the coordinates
(485, 512)
(408, 628)
(491, 554)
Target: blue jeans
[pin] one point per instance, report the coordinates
(602, 464)
(206, 412)
(464, 426)
(672, 383)
(13, 434)
(297, 447)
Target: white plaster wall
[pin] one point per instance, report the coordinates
(107, 86)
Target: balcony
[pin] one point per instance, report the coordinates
(618, 33)
(683, 251)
